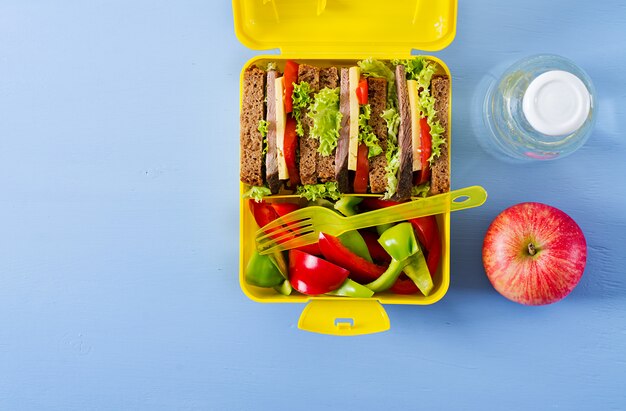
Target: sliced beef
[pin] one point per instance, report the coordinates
(405, 144)
(341, 155)
(271, 161)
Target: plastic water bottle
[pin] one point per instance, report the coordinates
(541, 108)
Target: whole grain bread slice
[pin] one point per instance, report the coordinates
(440, 177)
(308, 145)
(377, 99)
(250, 138)
(329, 78)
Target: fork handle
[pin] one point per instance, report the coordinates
(460, 199)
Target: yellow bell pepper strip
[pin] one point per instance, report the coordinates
(262, 271)
(351, 288)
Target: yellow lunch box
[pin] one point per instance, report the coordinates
(341, 32)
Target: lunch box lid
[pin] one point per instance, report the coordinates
(345, 27)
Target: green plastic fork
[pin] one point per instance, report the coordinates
(303, 226)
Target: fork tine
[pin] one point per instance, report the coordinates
(263, 233)
(293, 243)
(286, 234)
(287, 219)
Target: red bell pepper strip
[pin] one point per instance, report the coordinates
(361, 91)
(360, 269)
(427, 233)
(289, 77)
(426, 147)
(377, 252)
(264, 213)
(404, 285)
(361, 176)
(291, 148)
(312, 275)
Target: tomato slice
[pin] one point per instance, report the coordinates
(289, 77)
(291, 148)
(361, 91)
(361, 175)
(312, 275)
(360, 269)
(426, 146)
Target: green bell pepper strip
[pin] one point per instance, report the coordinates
(354, 242)
(400, 242)
(417, 270)
(380, 229)
(347, 205)
(263, 271)
(285, 288)
(388, 278)
(351, 288)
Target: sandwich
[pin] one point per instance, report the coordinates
(378, 127)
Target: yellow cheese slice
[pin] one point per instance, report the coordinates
(354, 75)
(283, 173)
(415, 124)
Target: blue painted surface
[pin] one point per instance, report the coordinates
(118, 214)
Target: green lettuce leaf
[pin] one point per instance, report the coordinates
(427, 107)
(376, 68)
(419, 69)
(313, 192)
(366, 132)
(263, 130)
(392, 118)
(257, 193)
(422, 71)
(420, 190)
(324, 111)
(301, 99)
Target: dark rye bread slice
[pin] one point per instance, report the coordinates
(329, 78)
(271, 161)
(341, 155)
(405, 143)
(250, 138)
(377, 99)
(440, 176)
(308, 145)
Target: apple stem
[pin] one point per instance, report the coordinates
(531, 249)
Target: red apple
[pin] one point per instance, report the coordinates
(534, 254)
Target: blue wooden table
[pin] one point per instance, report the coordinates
(119, 216)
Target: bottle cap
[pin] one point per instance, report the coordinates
(556, 103)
